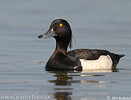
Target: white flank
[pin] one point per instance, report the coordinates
(104, 62)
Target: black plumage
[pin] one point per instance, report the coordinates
(63, 60)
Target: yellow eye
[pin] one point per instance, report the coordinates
(60, 25)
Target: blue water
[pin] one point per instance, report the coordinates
(97, 24)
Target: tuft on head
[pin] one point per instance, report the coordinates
(70, 44)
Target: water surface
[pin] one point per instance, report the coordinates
(95, 24)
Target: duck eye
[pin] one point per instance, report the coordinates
(60, 25)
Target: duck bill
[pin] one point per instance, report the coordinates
(48, 34)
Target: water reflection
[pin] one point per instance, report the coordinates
(63, 95)
(62, 80)
(103, 70)
(66, 79)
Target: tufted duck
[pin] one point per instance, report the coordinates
(79, 59)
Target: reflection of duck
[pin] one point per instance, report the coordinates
(79, 59)
(63, 95)
(62, 79)
(102, 70)
(65, 80)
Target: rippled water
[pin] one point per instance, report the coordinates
(95, 24)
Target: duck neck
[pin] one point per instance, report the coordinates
(62, 45)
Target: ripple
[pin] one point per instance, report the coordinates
(63, 88)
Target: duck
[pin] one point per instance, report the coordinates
(78, 59)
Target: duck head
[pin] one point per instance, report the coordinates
(61, 31)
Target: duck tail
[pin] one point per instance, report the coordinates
(121, 56)
(116, 59)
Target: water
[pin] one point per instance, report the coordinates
(95, 24)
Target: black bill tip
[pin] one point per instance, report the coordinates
(40, 36)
